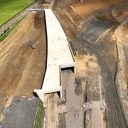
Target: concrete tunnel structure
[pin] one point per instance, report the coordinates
(59, 56)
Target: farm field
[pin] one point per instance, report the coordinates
(9, 8)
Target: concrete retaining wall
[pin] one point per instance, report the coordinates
(59, 56)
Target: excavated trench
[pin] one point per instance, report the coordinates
(96, 39)
(108, 65)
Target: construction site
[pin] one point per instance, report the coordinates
(71, 57)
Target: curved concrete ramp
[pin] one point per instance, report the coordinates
(59, 56)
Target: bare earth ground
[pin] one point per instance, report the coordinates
(91, 6)
(22, 63)
(104, 50)
(22, 59)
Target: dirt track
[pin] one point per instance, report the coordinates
(22, 58)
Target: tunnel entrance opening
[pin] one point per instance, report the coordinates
(68, 68)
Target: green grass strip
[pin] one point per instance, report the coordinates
(38, 119)
(9, 8)
(8, 31)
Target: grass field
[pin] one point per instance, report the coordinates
(9, 8)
